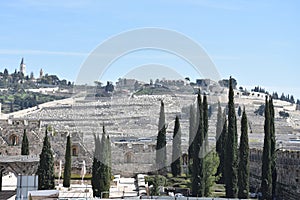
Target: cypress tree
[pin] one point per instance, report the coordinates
(192, 132)
(197, 170)
(219, 142)
(231, 148)
(205, 124)
(223, 139)
(68, 163)
(161, 153)
(104, 169)
(25, 144)
(266, 177)
(273, 147)
(243, 173)
(95, 168)
(176, 149)
(45, 170)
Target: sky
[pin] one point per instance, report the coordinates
(256, 42)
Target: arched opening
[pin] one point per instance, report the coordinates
(129, 157)
(185, 159)
(75, 150)
(13, 140)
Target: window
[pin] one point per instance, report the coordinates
(74, 150)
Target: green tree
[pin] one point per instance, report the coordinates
(192, 131)
(219, 142)
(176, 149)
(205, 124)
(104, 169)
(211, 163)
(161, 153)
(197, 167)
(243, 172)
(45, 170)
(266, 176)
(239, 111)
(68, 163)
(96, 168)
(273, 147)
(231, 157)
(25, 144)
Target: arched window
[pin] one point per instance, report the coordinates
(74, 150)
(13, 140)
(129, 157)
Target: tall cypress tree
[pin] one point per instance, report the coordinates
(45, 170)
(192, 131)
(68, 163)
(104, 169)
(243, 173)
(176, 149)
(197, 169)
(161, 153)
(205, 124)
(95, 168)
(273, 147)
(219, 142)
(25, 144)
(266, 176)
(231, 158)
(223, 139)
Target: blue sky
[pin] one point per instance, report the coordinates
(257, 42)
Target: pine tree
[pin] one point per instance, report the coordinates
(45, 170)
(243, 172)
(25, 144)
(68, 163)
(161, 153)
(273, 147)
(231, 158)
(266, 182)
(219, 142)
(197, 170)
(176, 149)
(96, 167)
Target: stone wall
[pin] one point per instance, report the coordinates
(288, 172)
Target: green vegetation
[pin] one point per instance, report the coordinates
(231, 157)
(161, 152)
(101, 175)
(197, 166)
(176, 149)
(45, 170)
(25, 144)
(211, 163)
(266, 177)
(273, 147)
(68, 163)
(220, 136)
(243, 171)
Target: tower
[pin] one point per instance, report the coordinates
(41, 73)
(23, 67)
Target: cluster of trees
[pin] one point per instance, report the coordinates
(283, 97)
(101, 169)
(259, 89)
(17, 78)
(234, 165)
